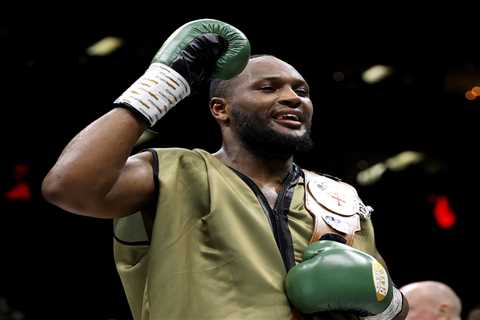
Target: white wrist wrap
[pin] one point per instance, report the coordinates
(158, 90)
(392, 310)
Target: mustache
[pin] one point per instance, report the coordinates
(259, 137)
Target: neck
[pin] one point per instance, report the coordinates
(258, 167)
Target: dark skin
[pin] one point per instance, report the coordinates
(114, 184)
(268, 87)
(117, 185)
(105, 182)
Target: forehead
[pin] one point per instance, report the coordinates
(268, 67)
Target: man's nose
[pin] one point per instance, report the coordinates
(289, 97)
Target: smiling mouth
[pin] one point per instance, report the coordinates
(288, 120)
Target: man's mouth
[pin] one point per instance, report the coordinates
(289, 119)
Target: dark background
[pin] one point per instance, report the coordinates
(57, 265)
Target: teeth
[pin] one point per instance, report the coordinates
(288, 117)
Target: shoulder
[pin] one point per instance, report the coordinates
(321, 176)
(324, 180)
(175, 163)
(163, 160)
(178, 153)
(140, 163)
(172, 151)
(164, 156)
(314, 174)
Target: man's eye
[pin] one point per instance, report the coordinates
(302, 92)
(267, 88)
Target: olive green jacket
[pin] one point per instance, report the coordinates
(210, 253)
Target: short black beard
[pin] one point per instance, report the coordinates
(262, 140)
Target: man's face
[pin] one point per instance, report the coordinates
(271, 110)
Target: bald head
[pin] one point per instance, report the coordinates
(430, 300)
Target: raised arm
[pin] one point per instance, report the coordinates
(94, 175)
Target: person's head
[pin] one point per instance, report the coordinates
(430, 300)
(266, 108)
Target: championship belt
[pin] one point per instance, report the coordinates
(334, 203)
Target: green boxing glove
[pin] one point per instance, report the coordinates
(336, 277)
(194, 53)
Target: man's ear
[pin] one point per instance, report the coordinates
(218, 108)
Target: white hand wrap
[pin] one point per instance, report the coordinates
(393, 309)
(158, 90)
